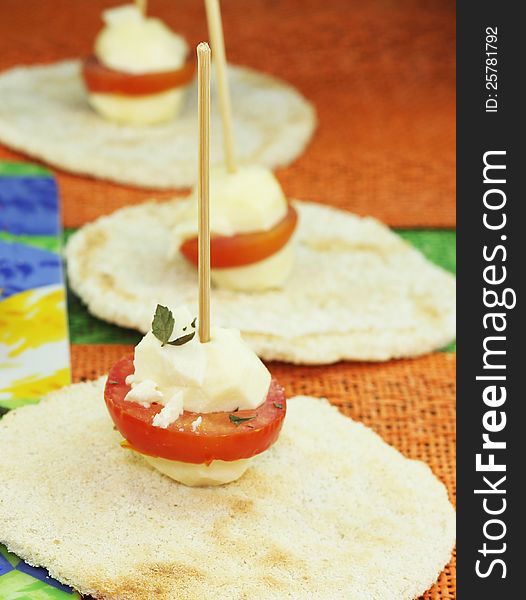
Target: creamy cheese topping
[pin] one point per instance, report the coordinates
(196, 423)
(221, 375)
(170, 412)
(144, 392)
(251, 199)
(132, 43)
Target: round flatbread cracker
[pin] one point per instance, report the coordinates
(357, 290)
(44, 113)
(330, 511)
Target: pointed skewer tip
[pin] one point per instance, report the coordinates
(203, 48)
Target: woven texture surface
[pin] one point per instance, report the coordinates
(380, 72)
(410, 403)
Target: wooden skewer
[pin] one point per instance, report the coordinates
(142, 5)
(215, 31)
(203, 188)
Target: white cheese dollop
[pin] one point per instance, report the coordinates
(251, 199)
(220, 375)
(144, 392)
(170, 412)
(132, 43)
(196, 423)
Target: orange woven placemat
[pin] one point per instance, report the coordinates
(410, 403)
(380, 72)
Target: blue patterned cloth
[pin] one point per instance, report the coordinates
(29, 206)
(24, 268)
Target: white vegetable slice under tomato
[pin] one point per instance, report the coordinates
(100, 79)
(244, 248)
(226, 436)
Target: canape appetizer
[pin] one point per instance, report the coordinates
(197, 412)
(251, 221)
(139, 70)
(252, 227)
(126, 114)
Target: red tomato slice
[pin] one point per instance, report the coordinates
(217, 438)
(244, 248)
(101, 79)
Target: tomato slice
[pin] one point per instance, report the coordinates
(244, 248)
(217, 437)
(101, 79)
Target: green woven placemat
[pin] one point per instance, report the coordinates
(439, 246)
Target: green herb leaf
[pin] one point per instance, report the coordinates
(112, 382)
(3, 411)
(278, 405)
(238, 420)
(182, 340)
(163, 324)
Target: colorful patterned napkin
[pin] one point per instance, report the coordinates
(34, 346)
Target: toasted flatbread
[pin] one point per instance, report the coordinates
(44, 113)
(330, 511)
(357, 290)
